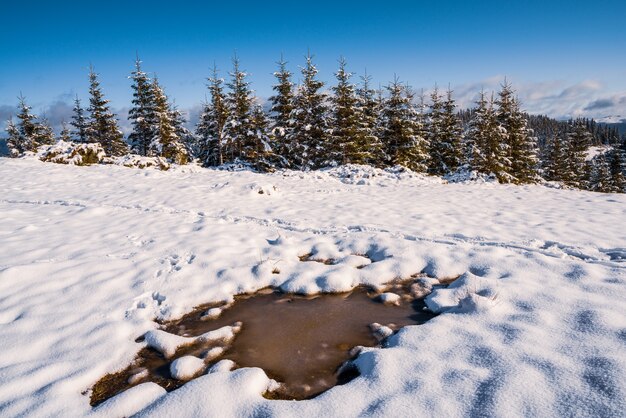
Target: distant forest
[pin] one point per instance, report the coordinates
(311, 126)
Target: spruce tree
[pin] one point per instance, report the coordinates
(599, 178)
(617, 183)
(281, 107)
(555, 167)
(15, 141)
(400, 127)
(239, 142)
(475, 139)
(143, 114)
(66, 133)
(369, 126)
(308, 137)
(165, 142)
(210, 128)
(346, 144)
(80, 123)
(445, 140)
(579, 139)
(262, 155)
(44, 135)
(102, 126)
(27, 126)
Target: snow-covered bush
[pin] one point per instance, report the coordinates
(72, 153)
(138, 161)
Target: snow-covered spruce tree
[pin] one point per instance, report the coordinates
(210, 128)
(445, 146)
(66, 133)
(308, 135)
(165, 143)
(519, 139)
(369, 118)
(102, 127)
(579, 139)
(79, 123)
(347, 143)
(281, 108)
(485, 145)
(265, 159)
(400, 126)
(44, 135)
(555, 167)
(142, 115)
(617, 183)
(599, 178)
(185, 136)
(240, 143)
(15, 141)
(27, 126)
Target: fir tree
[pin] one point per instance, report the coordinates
(555, 167)
(44, 135)
(347, 144)
(210, 128)
(369, 127)
(143, 114)
(27, 126)
(281, 107)
(599, 178)
(80, 123)
(66, 133)
(485, 148)
(15, 142)
(520, 143)
(102, 126)
(579, 140)
(185, 136)
(400, 127)
(308, 137)
(165, 143)
(617, 183)
(239, 141)
(262, 154)
(445, 141)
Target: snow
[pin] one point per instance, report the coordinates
(91, 255)
(594, 151)
(389, 298)
(186, 367)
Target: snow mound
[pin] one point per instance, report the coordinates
(130, 401)
(467, 294)
(389, 298)
(465, 175)
(368, 175)
(139, 161)
(167, 344)
(186, 367)
(72, 153)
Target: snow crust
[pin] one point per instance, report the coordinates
(534, 326)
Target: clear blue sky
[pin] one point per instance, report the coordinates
(46, 47)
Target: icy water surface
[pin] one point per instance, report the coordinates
(299, 341)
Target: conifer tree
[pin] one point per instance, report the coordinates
(15, 142)
(346, 144)
(210, 128)
(555, 167)
(281, 107)
(143, 114)
(617, 183)
(308, 137)
(579, 140)
(185, 136)
(239, 141)
(400, 127)
(262, 155)
(66, 133)
(44, 135)
(165, 143)
(102, 126)
(27, 126)
(599, 178)
(445, 140)
(369, 126)
(80, 123)
(485, 148)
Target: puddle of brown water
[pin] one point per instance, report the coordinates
(299, 341)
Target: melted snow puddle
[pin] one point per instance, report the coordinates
(299, 341)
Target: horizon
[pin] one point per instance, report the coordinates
(541, 50)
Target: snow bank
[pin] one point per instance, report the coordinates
(64, 152)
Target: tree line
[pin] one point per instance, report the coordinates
(309, 126)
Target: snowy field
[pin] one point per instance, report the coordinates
(536, 325)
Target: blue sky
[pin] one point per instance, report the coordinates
(564, 57)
